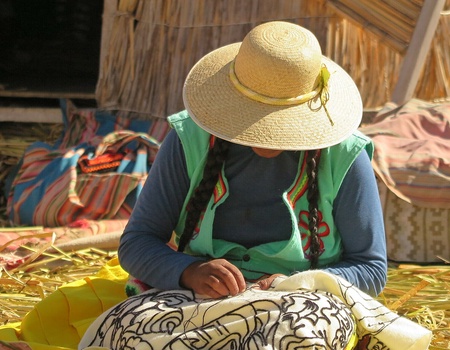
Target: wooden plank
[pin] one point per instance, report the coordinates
(417, 51)
(46, 87)
(30, 115)
(47, 94)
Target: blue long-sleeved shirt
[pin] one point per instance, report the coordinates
(251, 216)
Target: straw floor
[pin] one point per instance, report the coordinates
(420, 293)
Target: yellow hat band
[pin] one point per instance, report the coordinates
(321, 90)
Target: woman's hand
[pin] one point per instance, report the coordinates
(215, 278)
(265, 282)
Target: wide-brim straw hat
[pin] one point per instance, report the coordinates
(274, 90)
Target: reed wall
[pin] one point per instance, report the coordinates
(152, 44)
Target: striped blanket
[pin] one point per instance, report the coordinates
(94, 172)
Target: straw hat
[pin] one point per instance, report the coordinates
(274, 90)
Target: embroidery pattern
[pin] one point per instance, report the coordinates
(284, 317)
(220, 189)
(175, 320)
(300, 187)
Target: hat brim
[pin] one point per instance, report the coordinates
(216, 106)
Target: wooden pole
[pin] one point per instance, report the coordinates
(417, 51)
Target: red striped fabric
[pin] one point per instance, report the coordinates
(51, 189)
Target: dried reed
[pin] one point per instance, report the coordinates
(422, 294)
(154, 43)
(169, 37)
(393, 21)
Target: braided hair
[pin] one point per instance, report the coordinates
(214, 163)
(312, 161)
(199, 200)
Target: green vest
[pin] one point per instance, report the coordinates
(277, 257)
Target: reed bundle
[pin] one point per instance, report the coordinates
(373, 66)
(392, 20)
(154, 43)
(16, 137)
(369, 39)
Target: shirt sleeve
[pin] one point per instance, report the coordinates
(359, 219)
(143, 250)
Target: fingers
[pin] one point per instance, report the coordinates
(215, 278)
(218, 287)
(266, 282)
(219, 278)
(239, 278)
(213, 292)
(231, 280)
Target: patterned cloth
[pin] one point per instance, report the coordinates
(312, 310)
(56, 185)
(414, 234)
(412, 163)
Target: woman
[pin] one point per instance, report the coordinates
(273, 138)
(264, 176)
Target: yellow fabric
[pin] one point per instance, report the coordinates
(59, 321)
(9, 332)
(353, 342)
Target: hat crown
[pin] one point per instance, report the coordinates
(280, 60)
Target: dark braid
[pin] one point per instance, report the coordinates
(313, 196)
(199, 200)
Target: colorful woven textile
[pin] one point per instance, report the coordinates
(52, 187)
(412, 163)
(414, 234)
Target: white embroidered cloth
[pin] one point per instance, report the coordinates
(311, 310)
